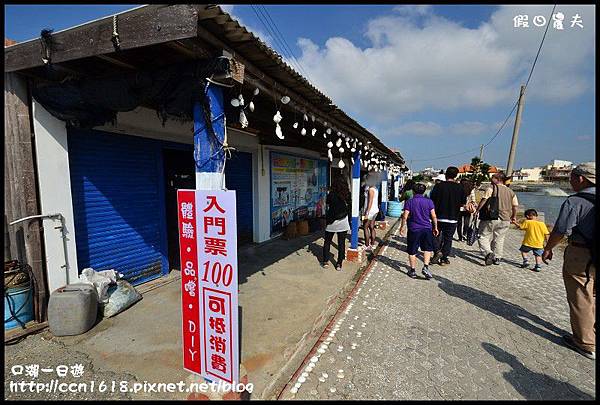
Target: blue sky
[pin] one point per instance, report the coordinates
(431, 81)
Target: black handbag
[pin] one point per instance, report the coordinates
(491, 208)
(473, 232)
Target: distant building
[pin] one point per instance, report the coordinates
(558, 171)
(559, 164)
(430, 172)
(468, 169)
(532, 174)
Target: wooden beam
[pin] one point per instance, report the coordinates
(20, 188)
(190, 49)
(30, 327)
(146, 26)
(116, 62)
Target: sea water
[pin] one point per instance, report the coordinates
(541, 201)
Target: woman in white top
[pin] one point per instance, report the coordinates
(337, 220)
(370, 212)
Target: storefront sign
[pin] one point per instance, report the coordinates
(208, 248)
(298, 189)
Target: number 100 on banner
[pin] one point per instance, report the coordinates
(209, 283)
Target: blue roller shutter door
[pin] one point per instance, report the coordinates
(118, 202)
(238, 177)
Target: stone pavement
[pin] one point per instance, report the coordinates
(472, 332)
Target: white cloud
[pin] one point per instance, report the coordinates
(438, 64)
(417, 128)
(470, 128)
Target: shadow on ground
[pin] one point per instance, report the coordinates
(529, 383)
(507, 310)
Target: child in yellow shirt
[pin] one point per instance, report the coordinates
(536, 234)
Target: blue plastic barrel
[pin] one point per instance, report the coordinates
(20, 298)
(395, 209)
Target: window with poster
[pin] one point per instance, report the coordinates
(298, 189)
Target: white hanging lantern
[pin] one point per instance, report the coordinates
(305, 117)
(251, 106)
(278, 132)
(314, 131)
(352, 150)
(330, 155)
(330, 144)
(243, 119)
(277, 117)
(303, 132)
(285, 99)
(324, 135)
(338, 143)
(256, 91)
(341, 150)
(295, 125)
(341, 164)
(328, 131)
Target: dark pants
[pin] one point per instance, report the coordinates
(444, 239)
(341, 246)
(464, 221)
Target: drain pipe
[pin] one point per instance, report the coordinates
(62, 232)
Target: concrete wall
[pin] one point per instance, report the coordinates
(52, 158)
(145, 123)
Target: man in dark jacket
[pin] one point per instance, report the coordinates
(448, 196)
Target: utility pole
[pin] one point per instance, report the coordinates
(515, 137)
(481, 153)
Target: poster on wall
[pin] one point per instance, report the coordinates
(298, 189)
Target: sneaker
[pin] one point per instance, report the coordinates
(412, 273)
(444, 261)
(537, 268)
(324, 265)
(338, 267)
(436, 258)
(427, 273)
(496, 262)
(525, 264)
(569, 342)
(489, 259)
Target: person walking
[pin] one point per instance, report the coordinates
(407, 191)
(466, 212)
(371, 210)
(577, 221)
(447, 196)
(419, 213)
(337, 221)
(496, 210)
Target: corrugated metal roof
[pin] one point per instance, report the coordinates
(251, 47)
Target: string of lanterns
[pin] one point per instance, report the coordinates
(370, 159)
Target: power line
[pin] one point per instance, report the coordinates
(515, 104)
(285, 42)
(271, 31)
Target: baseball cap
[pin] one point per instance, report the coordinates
(586, 170)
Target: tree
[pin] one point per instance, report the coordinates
(480, 171)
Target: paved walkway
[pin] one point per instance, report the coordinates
(472, 332)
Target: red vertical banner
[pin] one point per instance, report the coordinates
(218, 281)
(190, 293)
